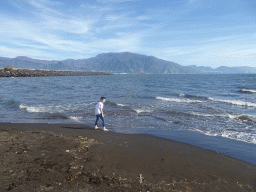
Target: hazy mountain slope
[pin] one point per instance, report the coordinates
(224, 69)
(120, 63)
(132, 63)
(25, 62)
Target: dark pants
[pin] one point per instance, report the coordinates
(97, 119)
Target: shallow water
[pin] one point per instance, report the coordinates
(216, 106)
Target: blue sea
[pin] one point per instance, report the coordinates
(215, 112)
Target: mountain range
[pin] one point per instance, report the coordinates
(124, 62)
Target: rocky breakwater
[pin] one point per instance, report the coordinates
(42, 73)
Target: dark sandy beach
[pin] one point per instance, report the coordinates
(57, 157)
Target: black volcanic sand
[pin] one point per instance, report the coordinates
(57, 157)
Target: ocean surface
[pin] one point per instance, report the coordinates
(216, 112)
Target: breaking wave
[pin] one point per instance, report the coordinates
(115, 104)
(53, 108)
(192, 96)
(179, 100)
(143, 110)
(231, 134)
(75, 118)
(38, 109)
(235, 102)
(242, 117)
(121, 105)
(248, 91)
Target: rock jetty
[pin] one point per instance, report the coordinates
(42, 73)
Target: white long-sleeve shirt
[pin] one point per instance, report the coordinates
(98, 106)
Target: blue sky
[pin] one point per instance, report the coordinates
(189, 32)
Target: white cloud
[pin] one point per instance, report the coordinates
(57, 31)
(143, 17)
(122, 42)
(220, 39)
(241, 52)
(216, 55)
(75, 26)
(33, 53)
(179, 51)
(46, 6)
(48, 32)
(112, 27)
(112, 17)
(17, 29)
(31, 45)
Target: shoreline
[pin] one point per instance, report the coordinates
(114, 161)
(233, 148)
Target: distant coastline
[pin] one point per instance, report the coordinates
(121, 63)
(42, 73)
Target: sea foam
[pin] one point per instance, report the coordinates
(121, 105)
(60, 108)
(76, 118)
(179, 100)
(240, 136)
(143, 111)
(35, 109)
(235, 102)
(249, 91)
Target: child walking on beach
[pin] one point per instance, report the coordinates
(99, 113)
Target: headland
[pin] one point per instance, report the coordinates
(43, 73)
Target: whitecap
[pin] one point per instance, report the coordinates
(143, 111)
(235, 102)
(34, 109)
(248, 91)
(179, 100)
(203, 115)
(243, 117)
(60, 108)
(240, 136)
(121, 105)
(76, 118)
(235, 135)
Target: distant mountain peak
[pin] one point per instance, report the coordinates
(120, 62)
(23, 58)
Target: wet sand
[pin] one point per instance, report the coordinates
(58, 157)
